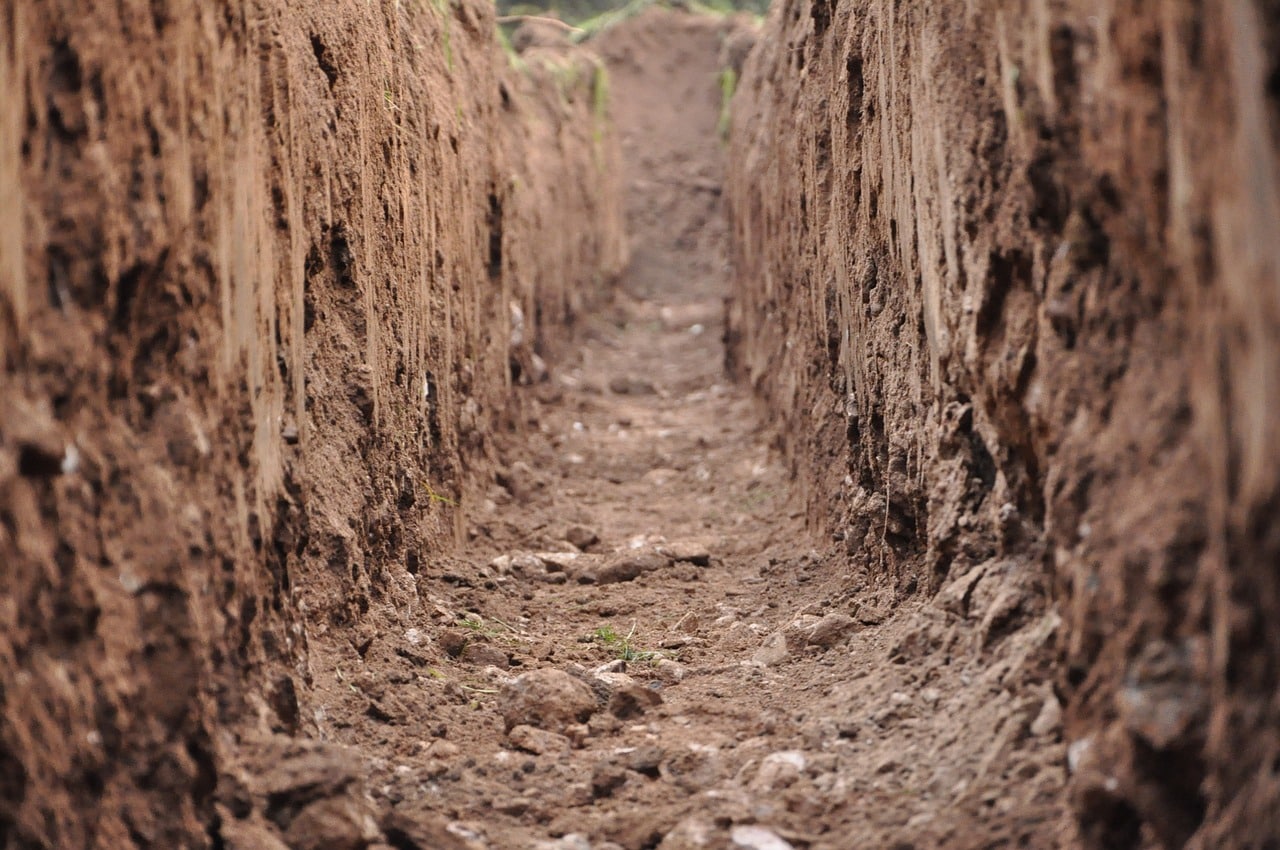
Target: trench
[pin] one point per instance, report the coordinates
(850, 428)
(642, 642)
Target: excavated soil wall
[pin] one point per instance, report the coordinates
(266, 274)
(1007, 274)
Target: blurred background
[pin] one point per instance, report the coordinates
(590, 14)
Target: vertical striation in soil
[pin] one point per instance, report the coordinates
(264, 272)
(1006, 273)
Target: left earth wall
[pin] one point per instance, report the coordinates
(264, 275)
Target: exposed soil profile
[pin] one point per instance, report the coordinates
(411, 442)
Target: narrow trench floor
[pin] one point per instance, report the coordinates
(642, 647)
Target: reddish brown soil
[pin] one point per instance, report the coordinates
(345, 502)
(1008, 272)
(257, 268)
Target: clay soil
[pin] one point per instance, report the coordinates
(748, 684)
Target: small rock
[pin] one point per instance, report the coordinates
(797, 632)
(830, 630)
(954, 596)
(546, 699)
(689, 834)
(576, 794)
(671, 671)
(689, 551)
(779, 770)
(572, 841)
(694, 769)
(1049, 719)
(606, 778)
(453, 641)
(774, 651)
(632, 699)
(602, 725)
(557, 562)
(442, 749)
(617, 665)
(334, 823)
(484, 655)
(757, 838)
(514, 806)
(538, 741)
(630, 566)
(419, 828)
(247, 835)
(646, 760)
(581, 536)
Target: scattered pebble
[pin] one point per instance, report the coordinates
(831, 629)
(779, 770)
(1049, 719)
(538, 741)
(774, 651)
(629, 567)
(690, 551)
(581, 536)
(757, 838)
(546, 699)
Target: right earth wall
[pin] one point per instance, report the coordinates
(1009, 274)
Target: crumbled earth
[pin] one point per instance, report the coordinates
(738, 674)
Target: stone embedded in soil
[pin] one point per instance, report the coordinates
(581, 536)
(646, 760)
(757, 838)
(693, 769)
(692, 833)
(629, 567)
(558, 561)
(1049, 719)
(606, 778)
(418, 828)
(831, 629)
(247, 835)
(779, 770)
(442, 749)
(774, 651)
(546, 699)
(688, 551)
(632, 699)
(335, 823)
(572, 841)
(538, 741)
(485, 655)
(671, 671)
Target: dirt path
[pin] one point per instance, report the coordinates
(641, 645)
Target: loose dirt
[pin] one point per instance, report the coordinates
(640, 644)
